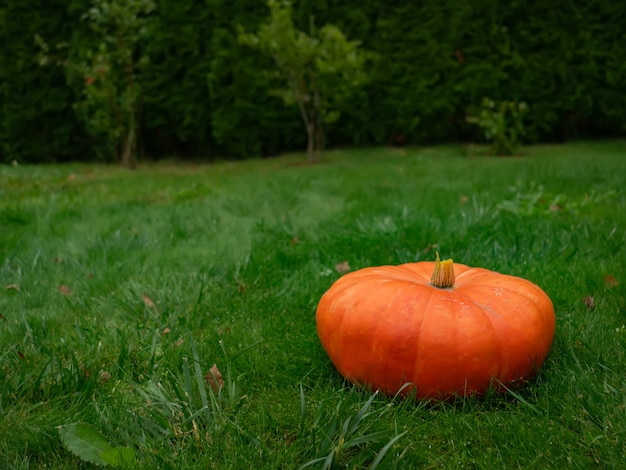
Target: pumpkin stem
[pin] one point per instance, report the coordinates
(443, 275)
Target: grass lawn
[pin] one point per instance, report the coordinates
(120, 290)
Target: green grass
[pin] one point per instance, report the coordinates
(173, 268)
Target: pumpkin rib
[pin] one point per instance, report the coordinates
(549, 323)
(503, 310)
(420, 344)
(345, 317)
(531, 292)
(390, 274)
(391, 343)
(541, 302)
(394, 343)
(487, 345)
(504, 360)
(487, 314)
(331, 335)
(464, 273)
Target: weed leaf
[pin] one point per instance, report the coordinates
(119, 456)
(87, 443)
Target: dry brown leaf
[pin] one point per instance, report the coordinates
(179, 342)
(65, 290)
(610, 281)
(166, 331)
(148, 301)
(214, 378)
(12, 287)
(343, 267)
(589, 302)
(196, 431)
(295, 240)
(464, 199)
(104, 376)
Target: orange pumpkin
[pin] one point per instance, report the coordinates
(446, 329)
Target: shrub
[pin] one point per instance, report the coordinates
(317, 69)
(502, 124)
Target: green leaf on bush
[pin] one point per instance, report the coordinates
(87, 443)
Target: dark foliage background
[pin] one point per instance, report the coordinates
(205, 95)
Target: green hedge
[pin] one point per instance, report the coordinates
(204, 94)
(246, 120)
(37, 122)
(176, 102)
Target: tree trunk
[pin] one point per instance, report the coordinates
(129, 147)
(129, 156)
(310, 148)
(320, 139)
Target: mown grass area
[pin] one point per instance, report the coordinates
(120, 290)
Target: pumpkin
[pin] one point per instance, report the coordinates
(444, 329)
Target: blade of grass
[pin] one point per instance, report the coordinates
(382, 452)
(302, 408)
(200, 380)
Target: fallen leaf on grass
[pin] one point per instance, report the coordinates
(12, 287)
(589, 302)
(343, 267)
(179, 342)
(224, 330)
(104, 376)
(610, 281)
(464, 199)
(214, 378)
(65, 290)
(148, 301)
(89, 445)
